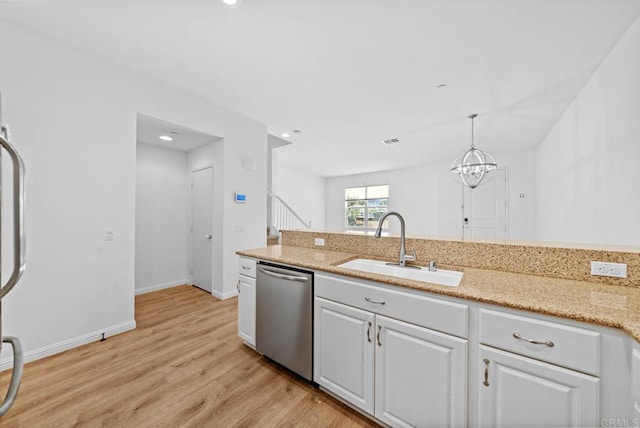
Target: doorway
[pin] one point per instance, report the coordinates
(201, 225)
(173, 162)
(484, 210)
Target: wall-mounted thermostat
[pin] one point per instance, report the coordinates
(240, 198)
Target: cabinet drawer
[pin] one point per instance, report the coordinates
(573, 347)
(247, 267)
(436, 314)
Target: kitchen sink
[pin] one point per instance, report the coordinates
(450, 278)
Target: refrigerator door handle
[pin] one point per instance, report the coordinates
(18, 213)
(16, 375)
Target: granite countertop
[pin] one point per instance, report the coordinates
(607, 305)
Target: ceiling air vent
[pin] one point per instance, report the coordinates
(391, 141)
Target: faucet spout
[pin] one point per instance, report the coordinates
(402, 257)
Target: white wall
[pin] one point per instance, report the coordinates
(430, 200)
(587, 165)
(412, 192)
(305, 194)
(161, 228)
(73, 118)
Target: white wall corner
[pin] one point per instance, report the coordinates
(225, 295)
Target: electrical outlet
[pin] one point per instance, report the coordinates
(615, 270)
(319, 242)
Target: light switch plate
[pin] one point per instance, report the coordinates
(108, 235)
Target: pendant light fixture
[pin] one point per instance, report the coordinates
(474, 166)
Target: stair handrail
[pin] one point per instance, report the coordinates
(295, 214)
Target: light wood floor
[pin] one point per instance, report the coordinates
(182, 366)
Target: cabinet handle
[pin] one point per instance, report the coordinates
(377, 302)
(238, 286)
(369, 331)
(486, 372)
(378, 335)
(548, 343)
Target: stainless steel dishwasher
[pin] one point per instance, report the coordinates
(284, 317)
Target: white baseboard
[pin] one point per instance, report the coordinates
(224, 296)
(162, 286)
(65, 345)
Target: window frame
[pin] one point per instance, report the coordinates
(365, 230)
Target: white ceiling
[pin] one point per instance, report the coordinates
(351, 73)
(149, 130)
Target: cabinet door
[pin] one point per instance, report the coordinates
(519, 391)
(635, 373)
(421, 376)
(247, 309)
(343, 352)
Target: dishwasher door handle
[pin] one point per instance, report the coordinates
(283, 276)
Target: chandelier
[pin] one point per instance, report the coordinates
(474, 166)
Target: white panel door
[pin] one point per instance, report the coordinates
(343, 352)
(201, 228)
(247, 309)
(485, 209)
(516, 391)
(421, 376)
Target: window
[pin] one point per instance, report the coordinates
(363, 207)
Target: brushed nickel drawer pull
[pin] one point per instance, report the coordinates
(548, 343)
(377, 302)
(486, 372)
(378, 335)
(369, 331)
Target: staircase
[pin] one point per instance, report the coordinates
(282, 217)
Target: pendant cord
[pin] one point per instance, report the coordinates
(472, 142)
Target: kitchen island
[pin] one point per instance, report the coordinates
(502, 348)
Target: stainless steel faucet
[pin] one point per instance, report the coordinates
(403, 257)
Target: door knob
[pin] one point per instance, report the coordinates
(208, 236)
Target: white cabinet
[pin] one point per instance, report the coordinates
(403, 374)
(517, 391)
(420, 376)
(530, 380)
(562, 345)
(247, 300)
(343, 357)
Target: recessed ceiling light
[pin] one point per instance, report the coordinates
(166, 138)
(230, 2)
(296, 131)
(442, 85)
(285, 135)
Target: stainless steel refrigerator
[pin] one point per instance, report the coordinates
(18, 249)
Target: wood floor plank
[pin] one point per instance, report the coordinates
(183, 366)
